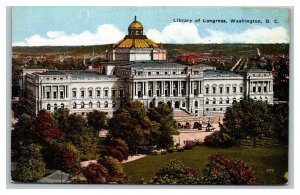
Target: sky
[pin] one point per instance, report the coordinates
(38, 26)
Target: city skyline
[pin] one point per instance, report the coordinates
(105, 25)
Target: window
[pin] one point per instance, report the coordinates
(241, 89)
(113, 104)
(105, 104)
(157, 72)
(61, 94)
(221, 108)
(106, 93)
(82, 105)
(259, 89)
(48, 107)
(227, 90)
(166, 72)
(207, 101)
(221, 90)
(82, 94)
(207, 109)
(54, 94)
(90, 93)
(74, 105)
(214, 101)
(54, 79)
(196, 104)
(98, 92)
(183, 104)
(265, 88)
(121, 93)
(214, 109)
(234, 89)
(221, 101)
(61, 79)
(62, 106)
(48, 95)
(149, 73)
(214, 89)
(91, 105)
(254, 89)
(206, 90)
(74, 94)
(98, 104)
(227, 101)
(55, 107)
(113, 93)
(174, 72)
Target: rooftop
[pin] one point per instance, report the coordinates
(220, 73)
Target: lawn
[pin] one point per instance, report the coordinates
(269, 163)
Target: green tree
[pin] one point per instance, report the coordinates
(281, 122)
(248, 118)
(23, 132)
(29, 166)
(175, 172)
(61, 117)
(131, 124)
(96, 120)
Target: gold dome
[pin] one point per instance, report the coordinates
(139, 42)
(135, 37)
(136, 25)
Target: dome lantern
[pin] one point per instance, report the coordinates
(135, 28)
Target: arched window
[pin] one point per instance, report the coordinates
(113, 104)
(266, 99)
(214, 101)
(207, 101)
(62, 106)
(55, 107)
(106, 104)
(91, 105)
(74, 105)
(48, 107)
(98, 104)
(227, 101)
(221, 101)
(82, 104)
(234, 100)
(177, 104)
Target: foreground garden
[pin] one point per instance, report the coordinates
(269, 163)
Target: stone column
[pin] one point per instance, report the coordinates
(154, 87)
(171, 88)
(179, 88)
(163, 88)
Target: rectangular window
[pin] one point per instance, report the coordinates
(234, 89)
(74, 94)
(265, 88)
(54, 94)
(254, 89)
(48, 95)
(206, 90)
(98, 93)
(90, 93)
(113, 93)
(241, 89)
(259, 89)
(121, 93)
(221, 90)
(82, 94)
(227, 90)
(61, 94)
(105, 93)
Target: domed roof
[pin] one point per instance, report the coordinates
(135, 25)
(135, 37)
(139, 42)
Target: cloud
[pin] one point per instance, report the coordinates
(253, 35)
(188, 33)
(176, 33)
(105, 34)
(172, 33)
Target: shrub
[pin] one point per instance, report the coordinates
(188, 146)
(219, 138)
(175, 172)
(180, 149)
(170, 150)
(115, 170)
(95, 173)
(221, 170)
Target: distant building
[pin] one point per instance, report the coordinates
(136, 69)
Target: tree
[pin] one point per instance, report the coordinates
(96, 120)
(247, 118)
(131, 124)
(115, 148)
(175, 172)
(45, 126)
(281, 122)
(61, 117)
(162, 115)
(95, 173)
(78, 133)
(221, 170)
(70, 159)
(23, 132)
(29, 167)
(114, 170)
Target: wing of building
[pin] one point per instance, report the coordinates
(137, 69)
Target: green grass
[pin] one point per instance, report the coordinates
(269, 163)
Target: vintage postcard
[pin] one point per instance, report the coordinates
(150, 95)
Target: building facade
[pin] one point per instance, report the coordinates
(137, 69)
